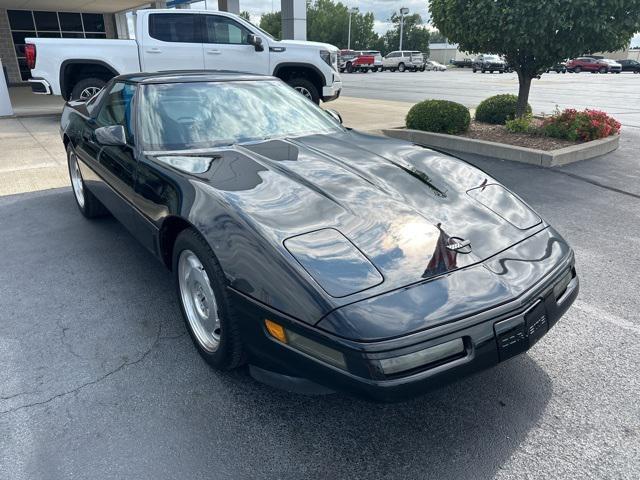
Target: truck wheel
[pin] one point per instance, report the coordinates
(349, 68)
(306, 88)
(87, 88)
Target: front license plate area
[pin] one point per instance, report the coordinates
(518, 334)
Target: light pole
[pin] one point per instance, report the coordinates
(351, 11)
(403, 12)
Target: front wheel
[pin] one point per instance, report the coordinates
(349, 68)
(205, 304)
(577, 70)
(87, 88)
(603, 70)
(306, 88)
(87, 203)
(474, 70)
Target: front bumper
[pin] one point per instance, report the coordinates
(332, 91)
(488, 337)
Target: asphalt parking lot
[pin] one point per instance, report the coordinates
(616, 94)
(99, 379)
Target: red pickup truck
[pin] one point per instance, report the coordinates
(351, 61)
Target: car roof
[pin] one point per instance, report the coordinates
(182, 76)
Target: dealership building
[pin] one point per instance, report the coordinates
(20, 19)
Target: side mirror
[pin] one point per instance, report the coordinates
(335, 115)
(256, 41)
(111, 135)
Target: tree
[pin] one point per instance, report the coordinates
(436, 37)
(415, 34)
(328, 22)
(272, 23)
(244, 14)
(534, 35)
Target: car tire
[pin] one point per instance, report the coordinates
(349, 67)
(306, 88)
(474, 70)
(401, 67)
(87, 203)
(423, 68)
(201, 289)
(87, 88)
(392, 69)
(603, 70)
(577, 70)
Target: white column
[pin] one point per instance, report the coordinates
(294, 19)
(5, 102)
(231, 6)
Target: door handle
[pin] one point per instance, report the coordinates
(153, 50)
(214, 52)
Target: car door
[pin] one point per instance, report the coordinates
(227, 47)
(173, 42)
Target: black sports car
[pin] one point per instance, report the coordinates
(321, 256)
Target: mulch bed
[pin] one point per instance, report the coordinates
(499, 134)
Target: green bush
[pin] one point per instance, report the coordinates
(520, 125)
(498, 109)
(440, 116)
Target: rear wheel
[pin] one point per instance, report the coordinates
(87, 203)
(577, 70)
(87, 88)
(603, 70)
(401, 67)
(306, 88)
(349, 68)
(204, 302)
(474, 70)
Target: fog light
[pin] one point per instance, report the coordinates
(421, 358)
(317, 350)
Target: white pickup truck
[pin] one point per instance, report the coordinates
(182, 40)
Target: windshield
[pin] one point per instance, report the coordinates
(493, 58)
(184, 116)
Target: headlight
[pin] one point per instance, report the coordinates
(330, 58)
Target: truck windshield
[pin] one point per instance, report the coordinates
(196, 115)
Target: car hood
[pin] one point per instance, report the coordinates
(304, 43)
(403, 208)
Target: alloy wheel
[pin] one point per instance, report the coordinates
(199, 301)
(89, 92)
(76, 179)
(304, 92)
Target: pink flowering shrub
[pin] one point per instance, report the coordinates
(582, 126)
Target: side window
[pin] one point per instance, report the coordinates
(221, 29)
(174, 27)
(117, 108)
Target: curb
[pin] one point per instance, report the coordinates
(543, 158)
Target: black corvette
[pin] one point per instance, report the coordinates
(321, 256)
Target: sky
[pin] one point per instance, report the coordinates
(382, 10)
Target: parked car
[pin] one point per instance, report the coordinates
(181, 39)
(465, 63)
(558, 68)
(345, 57)
(314, 253)
(612, 65)
(587, 64)
(488, 63)
(377, 58)
(404, 60)
(630, 66)
(433, 65)
(361, 63)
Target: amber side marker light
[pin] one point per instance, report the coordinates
(304, 344)
(275, 330)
